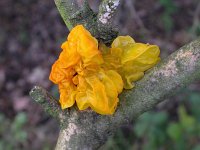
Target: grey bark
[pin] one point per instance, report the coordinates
(99, 25)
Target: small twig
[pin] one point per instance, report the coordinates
(196, 20)
(196, 14)
(133, 13)
(48, 102)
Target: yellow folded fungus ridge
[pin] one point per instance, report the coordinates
(93, 75)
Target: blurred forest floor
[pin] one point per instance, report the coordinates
(31, 32)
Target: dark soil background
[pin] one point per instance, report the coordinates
(31, 32)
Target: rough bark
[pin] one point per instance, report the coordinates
(99, 25)
(88, 130)
(107, 10)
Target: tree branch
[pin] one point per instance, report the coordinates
(98, 25)
(107, 10)
(74, 14)
(67, 8)
(88, 130)
(48, 103)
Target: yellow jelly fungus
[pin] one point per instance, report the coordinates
(81, 78)
(130, 59)
(92, 75)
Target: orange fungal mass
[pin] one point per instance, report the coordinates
(92, 75)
